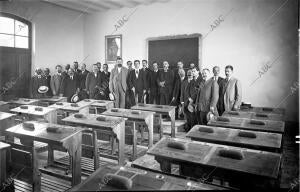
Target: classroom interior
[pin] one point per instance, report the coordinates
(53, 144)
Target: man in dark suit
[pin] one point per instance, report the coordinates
(187, 91)
(176, 71)
(77, 71)
(129, 95)
(99, 65)
(47, 77)
(207, 97)
(146, 78)
(136, 82)
(231, 92)
(216, 77)
(197, 79)
(65, 73)
(56, 81)
(165, 82)
(177, 91)
(81, 80)
(70, 85)
(104, 90)
(153, 84)
(118, 84)
(93, 82)
(37, 80)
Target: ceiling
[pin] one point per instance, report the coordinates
(93, 6)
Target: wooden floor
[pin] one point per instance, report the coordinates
(289, 172)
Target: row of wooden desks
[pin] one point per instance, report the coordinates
(248, 124)
(54, 135)
(114, 178)
(233, 163)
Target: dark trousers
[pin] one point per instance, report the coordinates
(164, 98)
(154, 96)
(201, 117)
(190, 119)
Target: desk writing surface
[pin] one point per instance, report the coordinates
(227, 136)
(53, 99)
(3, 103)
(253, 115)
(244, 123)
(31, 110)
(153, 107)
(3, 146)
(40, 133)
(102, 103)
(86, 101)
(4, 115)
(254, 162)
(142, 180)
(128, 113)
(59, 105)
(69, 107)
(267, 110)
(23, 101)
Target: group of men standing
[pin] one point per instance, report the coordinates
(72, 81)
(193, 93)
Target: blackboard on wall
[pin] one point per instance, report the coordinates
(186, 48)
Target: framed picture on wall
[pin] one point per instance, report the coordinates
(113, 48)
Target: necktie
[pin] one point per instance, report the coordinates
(137, 73)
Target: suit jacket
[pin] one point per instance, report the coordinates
(196, 83)
(177, 89)
(231, 93)
(208, 95)
(153, 76)
(55, 83)
(137, 83)
(35, 84)
(92, 81)
(187, 90)
(77, 71)
(168, 78)
(69, 86)
(48, 80)
(113, 81)
(219, 104)
(145, 74)
(82, 78)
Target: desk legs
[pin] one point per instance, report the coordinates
(149, 123)
(36, 175)
(121, 143)
(172, 116)
(3, 168)
(74, 150)
(165, 165)
(134, 147)
(96, 155)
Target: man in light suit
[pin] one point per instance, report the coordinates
(93, 82)
(231, 92)
(216, 77)
(117, 83)
(56, 81)
(207, 97)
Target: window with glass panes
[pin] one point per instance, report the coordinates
(13, 33)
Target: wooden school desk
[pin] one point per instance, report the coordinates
(101, 105)
(254, 115)
(22, 101)
(66, 137)
(265, 110)
(141, 180)
(4, 147)
(238, 165)
(4, 106)
(248, 124)
(36, 112)
(161, 110)
(104, 124)
(135, 116)
(52, 100)
(236, 137)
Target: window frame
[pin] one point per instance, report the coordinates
(20, 19)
